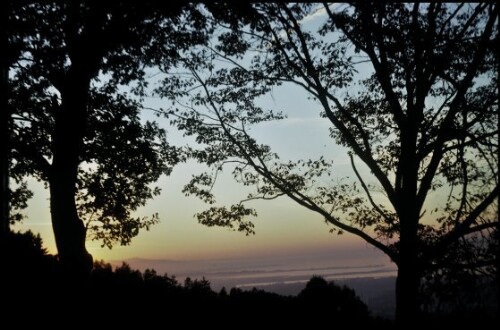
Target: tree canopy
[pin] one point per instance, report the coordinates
(410, 89)
(78, 79)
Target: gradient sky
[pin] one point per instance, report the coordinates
(282, 227)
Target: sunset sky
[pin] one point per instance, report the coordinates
(282, 227)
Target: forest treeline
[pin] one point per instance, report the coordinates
(32, 278)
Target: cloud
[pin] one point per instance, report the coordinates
(318, 13)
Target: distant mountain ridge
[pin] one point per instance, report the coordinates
(374, 283)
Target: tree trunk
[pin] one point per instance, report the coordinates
(408, 209)
(408, 281)
(85, 52)
(70, 123)
(407, 296)
(409, 273)
(68, 229)
(497, 265)
(4, 122)
(409, 270)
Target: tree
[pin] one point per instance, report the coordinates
(423, 122)
(12, 199)
(4, 166)
(327, 298)
(76, 96)
(10, 53)
(460, 285)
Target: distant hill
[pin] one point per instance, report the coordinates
(374, 283)
(377, 293)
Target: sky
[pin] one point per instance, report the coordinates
(283, 228)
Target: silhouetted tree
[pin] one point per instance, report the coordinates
(198, 291)
(11, 33)
(267, 308)
(339, 303)
(76, 94)
(27, 270)
(461, 283)
(223, 293)
(24, 251)
(4, 122)
(422, 120)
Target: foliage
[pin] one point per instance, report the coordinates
(461, 281)
(410, 89)
(121, 155)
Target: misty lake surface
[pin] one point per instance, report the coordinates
(269, 270)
